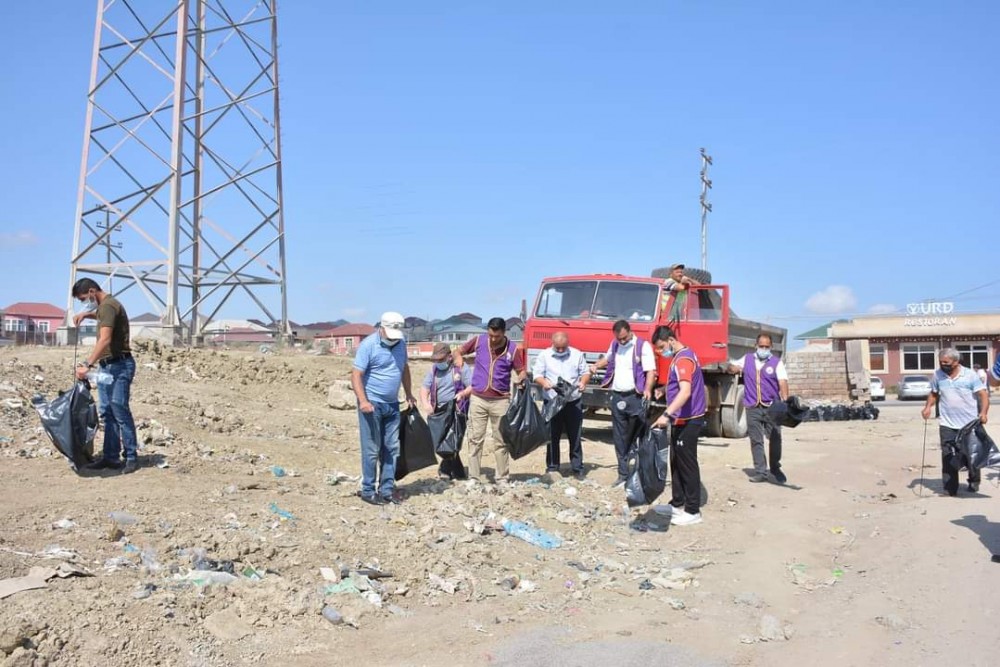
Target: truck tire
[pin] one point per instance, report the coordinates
(713, 424)
(704, 277)
(734, 417)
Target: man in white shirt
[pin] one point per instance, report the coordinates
(765, 380)
(961, 398)
(631, 375)
(562, 362)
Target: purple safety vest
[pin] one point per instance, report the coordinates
(696, 405)
(492, 373)
(760, 387)
(456, 375)
(637, 372)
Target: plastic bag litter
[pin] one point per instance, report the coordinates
(447, 427)
(523, 430)
(977, 447)
(416, 445)
(71, 422)
(788, 413)
(834, 413)
(564, 393)
(647, 467)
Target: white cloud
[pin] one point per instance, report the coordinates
(833, 300)
(20, 239)
(883, 309)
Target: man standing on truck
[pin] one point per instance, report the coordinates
(765, 380)
(631, 374)
(497, 362)
(562, 362)
(686, 407)
(678, 284)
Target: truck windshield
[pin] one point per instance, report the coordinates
(592, 299)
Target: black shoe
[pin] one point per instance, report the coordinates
(551, 469)
(104, 464)
(579, 474)
(779, 476)
(371, 500)
(974, 487)
(395, 498)
(130, 466)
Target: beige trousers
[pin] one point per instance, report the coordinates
(482, 411)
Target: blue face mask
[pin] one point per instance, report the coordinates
(442, 365)
(667, 353)
(763, 353)
(560, 355)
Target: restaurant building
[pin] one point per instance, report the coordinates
(909, 343)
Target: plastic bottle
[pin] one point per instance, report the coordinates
(99, 376)
(531, 535)
(122, 518)
(332, 615)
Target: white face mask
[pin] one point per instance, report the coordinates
(763, 353)
(90, 305)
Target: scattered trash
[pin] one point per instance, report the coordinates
(285, 515)
(449, 586)
(337, 477)
(527, 586)
(64, 524)
(204, 578)
(57, 552)
(346, 585)
(510, 583)
(278, 471)
(570, 517)
(837, 572)
(329, 574)
(162, 465)
(118, 563)
(37, 578)
(532, 535)
(252, 573)
(148, 559)
(646, 585)
(674, 603)
(837, 530)
(143, 591)
(332, 615)
(570, 491)
(130, 549)
(122, 518)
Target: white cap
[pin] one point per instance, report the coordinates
(392, 325)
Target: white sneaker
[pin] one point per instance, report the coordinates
(682, 518)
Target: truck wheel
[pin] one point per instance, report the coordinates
(734, 417)
(713, 424)
(704, 277)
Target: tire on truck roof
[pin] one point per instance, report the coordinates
(702, 276)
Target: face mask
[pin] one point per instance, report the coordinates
(560, 355)
(947, 369)
(90, 305)
(667, 353)
(763, 353)
(442, 365)
(390, 343)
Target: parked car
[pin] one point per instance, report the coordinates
(877, 389)
(914, 386)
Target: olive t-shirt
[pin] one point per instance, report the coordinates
(111, 313)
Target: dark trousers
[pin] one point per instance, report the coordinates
(685, 475)
(570, 420)
(953, 460)
(760, 427)
(626, 423)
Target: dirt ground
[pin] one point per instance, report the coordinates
(845, 565)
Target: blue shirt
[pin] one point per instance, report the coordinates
(381, 367)
(957, 400)
(446, 382)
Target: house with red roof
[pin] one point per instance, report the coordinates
(31, 323)
(345, 338)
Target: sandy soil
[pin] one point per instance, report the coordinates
(845, 565)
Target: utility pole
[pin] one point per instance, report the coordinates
(706, 207)
(108, 245)
(182, 158)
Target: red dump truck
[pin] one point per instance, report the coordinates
(587, 306)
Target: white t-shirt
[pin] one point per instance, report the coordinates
(624, 380)
(982, 377)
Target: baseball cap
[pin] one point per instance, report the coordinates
(677, 266)
(392, 323)
(441, 352)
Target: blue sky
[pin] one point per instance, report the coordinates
(445, 156)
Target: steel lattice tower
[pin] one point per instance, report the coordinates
(182, 161)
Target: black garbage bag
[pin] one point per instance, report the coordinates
(447, 426)
(789, 413)
(564, 393)
(647, 467)
(976, 445)
(416, 445)
(523, 430)
(71, 422)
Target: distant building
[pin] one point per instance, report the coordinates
(818, 339)
(30, 323)
(515, 328)
(456, 320)
(416, 329)
(346, 338)
(240, 335)
(457, 333)
(307, 332)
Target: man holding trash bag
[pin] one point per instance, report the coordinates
(765, 385)
(630, 376)
(448, 388)
(686, 407)
(498, 364)
(562, 362)
(114, 355)
(380, 366)
(956, 390)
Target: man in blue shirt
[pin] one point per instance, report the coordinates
(961, 398)
(380, 366)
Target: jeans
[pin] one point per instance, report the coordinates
(119, 427)
(379, 447)
(760, 425)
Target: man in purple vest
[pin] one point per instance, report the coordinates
(498, 363)
(765, 381)
(631, 373)
(686, 407)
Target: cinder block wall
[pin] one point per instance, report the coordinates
(818, 375)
